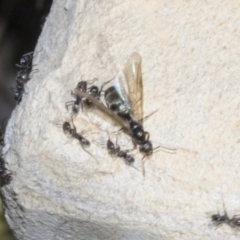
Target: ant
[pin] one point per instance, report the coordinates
(5, 178)
(72, 131)
(93, 91)
(233, 222)
(115, 150)
(67, 129)
(23, 75)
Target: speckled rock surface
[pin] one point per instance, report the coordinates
(190, 61)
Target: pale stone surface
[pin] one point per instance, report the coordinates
(190, 52)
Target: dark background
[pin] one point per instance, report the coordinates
(21, 23)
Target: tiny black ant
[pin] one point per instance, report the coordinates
(94, 91)
(233, 222)
(75, 104)
(72, 131)
(67, 129)
(5, 177)
(115, 150)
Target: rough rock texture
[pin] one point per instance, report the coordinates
(190, 52)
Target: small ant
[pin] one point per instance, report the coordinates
(217, 219)
(115, 150)
(5, 178)
(72, 131)
(94, 91)
(22, 75)
(67, 129)
(75, 104)
(18, 92)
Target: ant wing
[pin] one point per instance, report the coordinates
(133, 77)
(104, 109)
(120, 84)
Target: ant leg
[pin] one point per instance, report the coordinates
(89, 154)
(69, 103)
(143, 167)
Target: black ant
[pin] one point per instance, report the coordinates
(67, 129)
(75, 104)
(94, 91)
(115, 150)
(72, 131)
(217, 219)
(22, 75)
(5, 177)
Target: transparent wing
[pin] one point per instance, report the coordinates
(104, 109)
(120, 84)
(133, 75)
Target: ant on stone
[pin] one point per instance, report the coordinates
(72, 131)
(116, 151)
(93, 91)
(22, 76)
(218, 219)
(5, 177)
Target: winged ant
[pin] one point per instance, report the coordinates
(126, 106)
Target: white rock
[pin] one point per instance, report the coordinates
(190, 52)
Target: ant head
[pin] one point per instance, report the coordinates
(82, 86)
(146, 148)
(94, 90)
(66, 127)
